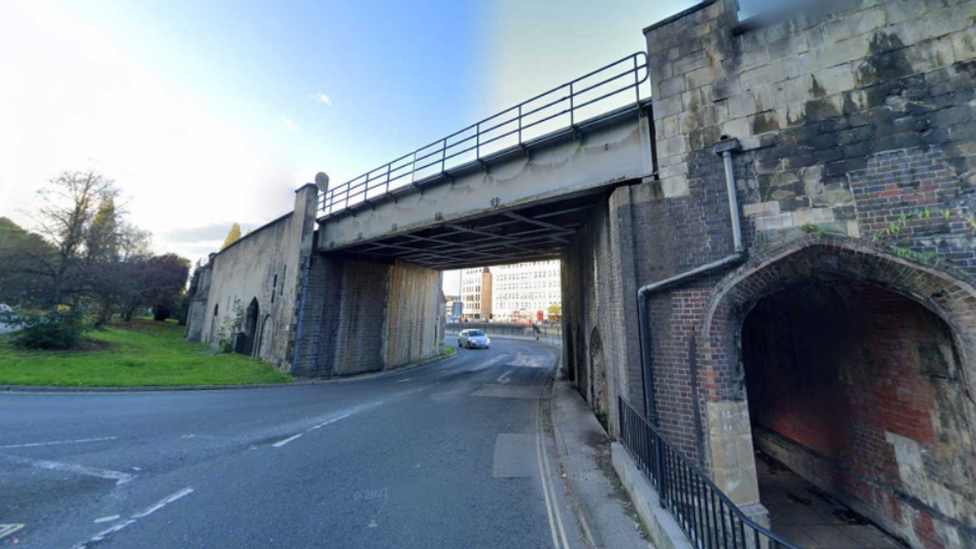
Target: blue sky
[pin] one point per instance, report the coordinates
(211, 112)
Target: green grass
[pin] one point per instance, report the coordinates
(140, 353)
(448, 350)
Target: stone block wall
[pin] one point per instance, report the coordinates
(263, 267)
(856, 122)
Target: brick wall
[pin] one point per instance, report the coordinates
(858, 157)
(862, 382)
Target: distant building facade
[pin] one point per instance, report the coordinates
(476, 293)
(522, 290)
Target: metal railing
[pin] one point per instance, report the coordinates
(546, 116)
(703, 511)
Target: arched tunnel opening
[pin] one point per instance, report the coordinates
(859, 413)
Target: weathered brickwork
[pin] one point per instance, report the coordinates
(857, 126)
(849, 400)
(361, 315)
(599, 350)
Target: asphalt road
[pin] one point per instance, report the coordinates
(447, 455)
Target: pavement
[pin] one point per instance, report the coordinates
(602, 505)
(459, 453)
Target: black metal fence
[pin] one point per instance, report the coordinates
(561, 110)
(706, 515)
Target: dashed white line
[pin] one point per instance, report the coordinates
(148, 511)
(106, 519)
(333, 420)
(118, 476)
(56, 442)
(405, 380)
(281, 443)
(163, 503)
(7, 529)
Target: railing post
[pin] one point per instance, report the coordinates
(413, 168)
(662, 484)
(520, 124)
(477, 141)
(572, 110)
(443, 154)
(636, 82)
(620, 420)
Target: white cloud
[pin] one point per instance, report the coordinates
(322, 98)
(75, 100)
(290, 124)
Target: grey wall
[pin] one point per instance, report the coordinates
(361, 315)
(265, 265)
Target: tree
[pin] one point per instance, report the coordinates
(20, 282)
(555, 311)
(233, 236)
(165, 282)
(68, 207)
(114, 255)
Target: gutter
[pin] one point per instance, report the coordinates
(723, 148)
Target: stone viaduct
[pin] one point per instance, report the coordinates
(768, 242)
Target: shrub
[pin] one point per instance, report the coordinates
(55, 330)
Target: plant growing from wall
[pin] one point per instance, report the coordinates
(811, 228)
(897, 235)
(230, 326)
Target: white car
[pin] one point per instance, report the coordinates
(473, 339)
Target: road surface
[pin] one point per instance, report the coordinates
(454, 455)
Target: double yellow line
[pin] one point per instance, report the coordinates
(552, 505)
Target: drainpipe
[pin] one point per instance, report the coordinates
(723, 148)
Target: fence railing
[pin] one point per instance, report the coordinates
(703, 511)
(559, 111)
(549, 332)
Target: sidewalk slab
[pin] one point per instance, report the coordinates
(605, 511)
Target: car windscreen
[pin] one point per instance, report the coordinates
(475, 333)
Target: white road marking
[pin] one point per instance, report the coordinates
(281, 443)
(405, 380)
(503, 379)
(333, 420)
(106, 519)
(552, 505)
(55, 442)
(118, 476)
(531, 361)
(163, 503)
(148, 511)
(7, 529)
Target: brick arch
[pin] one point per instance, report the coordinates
(949, 294)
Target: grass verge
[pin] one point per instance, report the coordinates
(448, 350)
(140, 353)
